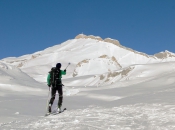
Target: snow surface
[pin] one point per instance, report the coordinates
(106, 87)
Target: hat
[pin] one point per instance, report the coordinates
(58, 65)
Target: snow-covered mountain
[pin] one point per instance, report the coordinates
(88, 55)
(107, 86)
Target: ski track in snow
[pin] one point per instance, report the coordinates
(128, 117)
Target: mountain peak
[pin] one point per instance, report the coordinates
(80, 36)
(83, 36)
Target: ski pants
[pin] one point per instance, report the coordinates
(53, 94)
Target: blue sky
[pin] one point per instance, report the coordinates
(27, 26)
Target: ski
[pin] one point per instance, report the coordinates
(55, 112)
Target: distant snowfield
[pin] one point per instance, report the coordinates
(129, 92)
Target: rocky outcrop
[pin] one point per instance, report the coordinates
(115, 42)
(75, 73)
(90, 36)
(111, 58)
(111, 75)
(164, 55)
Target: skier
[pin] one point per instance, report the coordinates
(54, 81)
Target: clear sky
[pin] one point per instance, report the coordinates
(27, 26)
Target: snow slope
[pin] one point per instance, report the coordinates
(107, 86)
(13, 80)
(127, 105)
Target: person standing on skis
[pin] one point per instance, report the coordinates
(54, 81)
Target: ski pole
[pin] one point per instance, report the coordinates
(67, 65)
(48, 100)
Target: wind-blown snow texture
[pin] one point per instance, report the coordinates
(107, 86)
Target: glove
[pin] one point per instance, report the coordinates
(49, 85)
(65, 70)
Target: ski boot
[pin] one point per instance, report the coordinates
(49, 108)
(59, 108)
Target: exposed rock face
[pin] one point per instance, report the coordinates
(112, 58)
(20, 65)
(164, 55)
(82, 62)
(90, 36)
(75, 73)
(123, 73)
(115, 42)
(22, 62)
